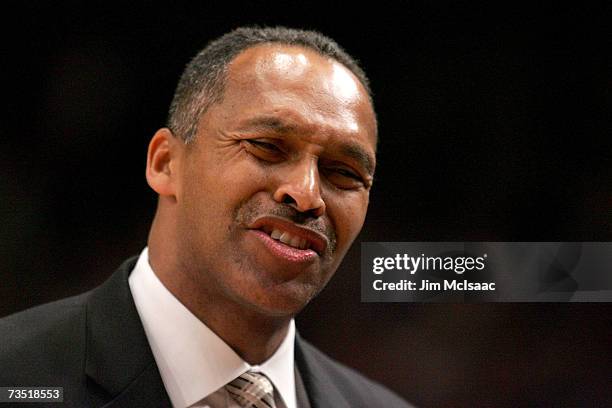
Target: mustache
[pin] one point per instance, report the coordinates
(252, 210)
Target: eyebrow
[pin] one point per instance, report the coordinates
(272, 123)
(357, 153)
(282, 126)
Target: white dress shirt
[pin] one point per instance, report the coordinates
(194, 363)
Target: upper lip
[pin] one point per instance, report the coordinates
(317, 241)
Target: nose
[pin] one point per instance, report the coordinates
(300, 187)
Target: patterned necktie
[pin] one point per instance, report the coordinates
(252, 390)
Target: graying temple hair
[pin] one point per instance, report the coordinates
(202, 83)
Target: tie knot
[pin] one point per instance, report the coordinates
(252, 390)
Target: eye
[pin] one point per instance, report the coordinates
(263, 149)
(264, 145)
(343, 178)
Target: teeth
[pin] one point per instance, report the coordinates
(276, 234)
(291, 240)
(285, 238)
(295, 242)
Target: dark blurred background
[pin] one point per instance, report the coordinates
(494, 126)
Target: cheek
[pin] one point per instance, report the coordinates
(348, 215)
(224, 177)
(212, 198)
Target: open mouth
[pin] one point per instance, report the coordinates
(288, 238)
(292, 235)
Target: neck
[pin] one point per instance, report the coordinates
(251, 336)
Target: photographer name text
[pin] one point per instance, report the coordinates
(426, 285)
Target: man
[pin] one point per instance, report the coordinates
(263, 176)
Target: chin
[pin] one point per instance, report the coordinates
(282, 301)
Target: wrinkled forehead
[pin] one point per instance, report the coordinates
(295, 63)
(300, 76)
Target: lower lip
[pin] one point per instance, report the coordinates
(286, 252)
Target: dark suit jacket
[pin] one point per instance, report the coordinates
(95, 347)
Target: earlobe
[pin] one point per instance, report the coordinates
(161, 163)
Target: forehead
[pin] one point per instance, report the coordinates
(302, 86)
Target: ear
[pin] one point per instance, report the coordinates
(162, 162)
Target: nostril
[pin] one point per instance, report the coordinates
(303, 203)
(287, 199)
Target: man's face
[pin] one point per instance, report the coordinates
(275, 187)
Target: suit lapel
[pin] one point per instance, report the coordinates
(320, 386)
(147, 390)
(119, 358)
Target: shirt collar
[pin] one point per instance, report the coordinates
(193, 361)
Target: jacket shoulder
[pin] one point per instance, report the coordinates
(44, 345)
(358, 390)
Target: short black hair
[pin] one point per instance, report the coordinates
(203, 81)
